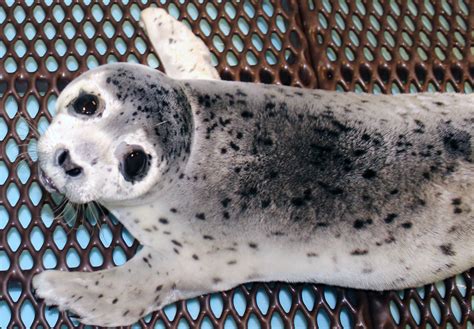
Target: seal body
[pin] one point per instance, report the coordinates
(355, 190)
(258, 183)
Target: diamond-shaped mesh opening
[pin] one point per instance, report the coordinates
(374, 46)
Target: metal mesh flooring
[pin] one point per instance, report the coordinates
(372, 46)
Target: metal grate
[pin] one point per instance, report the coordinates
(374, 46)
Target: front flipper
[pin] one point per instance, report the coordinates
(183, 54)
(113, 297)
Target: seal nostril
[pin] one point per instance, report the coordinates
(74, 172)
(62, 157)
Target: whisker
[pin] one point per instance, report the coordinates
(159, 124)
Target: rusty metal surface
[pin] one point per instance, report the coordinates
(299, 43)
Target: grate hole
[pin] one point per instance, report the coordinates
(347, 73)
(265, 76)
(36, 238)
(438, 72)
(239, 302)
(323, 319)
(4, 266)
(435, 310)
(276, 321)
(27, 313)
(3, 173)
(24, 216)
(253, 322)
(12, 150)
(284, 298)
(285, 77)
(51, 315)
(461, 284)
(402, 73)
(73, 260)
(415, 311)
(394, 312)
(246, 76)
(118, 256)
(26, 261)
(365, 73)
(346, 318)
(384, 73)
(455, 309)
(13, 239)
(95, 257)
(420, 73)
(170, 311)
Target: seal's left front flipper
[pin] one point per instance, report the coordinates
(116, 296)
(183, 54)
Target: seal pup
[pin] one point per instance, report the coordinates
(229, 182)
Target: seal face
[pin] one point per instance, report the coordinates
(117, 153)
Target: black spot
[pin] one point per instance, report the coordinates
(201, 216)
(390, 218)
(226, 215)
(207, 237)
(359, 252)
(456, 201)
(158, 288)
(298, 202)
(265, 203)
(407, 225)
(115, 301)
(100, 296)
(234, 146)
(195, 257)
(247, 114)
(312, 254)
(163, 221)
(359, 152)
(456, 142)
(447, 249)
(176, 243)
(394, 191)
(216, 280)
(369, 174)
(253, 245)
(173, 210)
(226, 202)
(360, 224)
(232, 262)
(457, 210)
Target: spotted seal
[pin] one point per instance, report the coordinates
(229, 182)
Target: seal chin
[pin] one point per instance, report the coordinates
(47, 182)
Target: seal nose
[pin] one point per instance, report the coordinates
(63, 159)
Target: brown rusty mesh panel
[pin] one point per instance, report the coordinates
(352, 45)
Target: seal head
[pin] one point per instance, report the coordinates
(118, 131)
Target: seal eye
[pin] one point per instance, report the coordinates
(135, 165)
(86, 104)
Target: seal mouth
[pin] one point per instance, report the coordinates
(47, 182)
